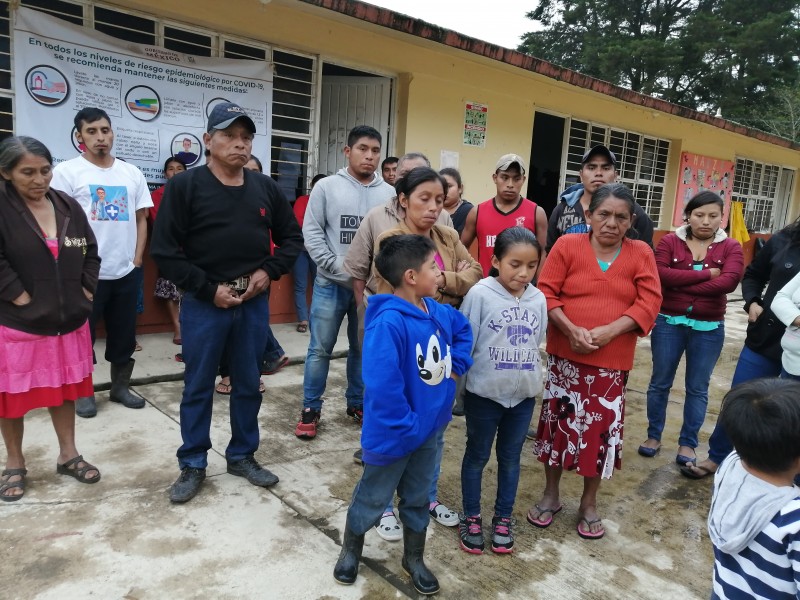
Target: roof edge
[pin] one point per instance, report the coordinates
(390, 19)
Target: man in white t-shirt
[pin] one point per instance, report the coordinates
(116, 200)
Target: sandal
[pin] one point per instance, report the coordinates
(138, 347)
(177, 341)
(539, 521)
(302, 327)
(587, 533)
(9, 485)
(223, 388)
(689, 471)
(72, 469)
(262, 389)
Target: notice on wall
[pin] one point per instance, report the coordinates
(703, 173)
(158, 100)
(475, 119)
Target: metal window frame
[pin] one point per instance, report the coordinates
(653, 206)
(761, 204)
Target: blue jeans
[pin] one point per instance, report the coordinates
(329, 305)
(206, 331)
(485, 420)
(272, 349)
(751, 365)
(303, 266)
(411, 476)
(702, 349)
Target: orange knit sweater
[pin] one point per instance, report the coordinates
(572, 280)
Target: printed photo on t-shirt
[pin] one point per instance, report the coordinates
(109, 203)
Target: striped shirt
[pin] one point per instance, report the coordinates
(769, 567)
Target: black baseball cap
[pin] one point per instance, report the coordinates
(599, 149)
(224, 115)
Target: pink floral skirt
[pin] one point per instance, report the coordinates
(39, 371)
(583, 413)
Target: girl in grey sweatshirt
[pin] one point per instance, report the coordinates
(508, 316)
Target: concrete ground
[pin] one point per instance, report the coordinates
(121, 538)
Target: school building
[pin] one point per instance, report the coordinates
(461, 101)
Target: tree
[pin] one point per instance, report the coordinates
(727, 55)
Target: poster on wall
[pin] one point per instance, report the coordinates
(158, 100)
(475, 119)
(699, 173)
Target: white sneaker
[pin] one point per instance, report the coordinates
(389, 528)
(444, 515)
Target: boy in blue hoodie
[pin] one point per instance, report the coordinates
(754, 521)
(414, 349)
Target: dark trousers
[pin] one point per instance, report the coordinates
(115, 303)
(206, 330)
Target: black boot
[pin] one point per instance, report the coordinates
(346, 569)
(424, 581)
(86, 407)
(120, 382)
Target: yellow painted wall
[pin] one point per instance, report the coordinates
(434, 82)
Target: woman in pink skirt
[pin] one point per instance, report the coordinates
(48, 273)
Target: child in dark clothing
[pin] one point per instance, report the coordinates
(754, 521)
(414, 348)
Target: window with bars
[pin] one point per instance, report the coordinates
(642, 161)
(756, 185)
(294, 84)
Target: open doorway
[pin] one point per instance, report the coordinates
(350, 98)
(547, 148)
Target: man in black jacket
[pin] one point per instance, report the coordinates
(212, 238)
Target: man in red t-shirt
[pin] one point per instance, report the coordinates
(507, 209)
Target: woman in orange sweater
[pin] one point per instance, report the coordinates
(602, 292)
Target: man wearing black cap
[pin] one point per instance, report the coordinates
(212, 238)
(598, 167)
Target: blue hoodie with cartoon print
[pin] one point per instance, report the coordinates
(408, 357)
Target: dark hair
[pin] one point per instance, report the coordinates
(452, 173)
(699, 200)
(389, 159)
(398, 253)
(617, 190)
(511, 237)
(12, 149)
(173, 159)
(762, 419)
(258, 162)
(416, 177)
(363, 131)
(317, 177)
(90, 114)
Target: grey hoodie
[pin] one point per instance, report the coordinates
(335, 210)
(506, 332)
(742, 505)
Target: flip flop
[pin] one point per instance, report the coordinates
(687, 471)
(77, 472)
(543, 523)
(587, 533)
(684, 460)
(223, 389)
(302, 327)
(177, 341)
(649, 452)
(262, 389)
(6, 485)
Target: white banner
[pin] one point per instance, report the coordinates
(158, 100)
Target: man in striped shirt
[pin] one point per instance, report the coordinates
(754, 522)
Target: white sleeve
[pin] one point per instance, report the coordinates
(60, 182)
(783, 304)
(143, 198)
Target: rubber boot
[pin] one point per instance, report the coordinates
(346, 569)
(424, 581)
(86, 407)
(120, 382)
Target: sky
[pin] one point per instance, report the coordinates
(480, 20)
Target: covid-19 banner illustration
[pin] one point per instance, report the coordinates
(158, 100)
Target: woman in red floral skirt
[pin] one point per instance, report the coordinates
(602, 291)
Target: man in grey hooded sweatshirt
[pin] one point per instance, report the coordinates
(335, 210)
(754, 521)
